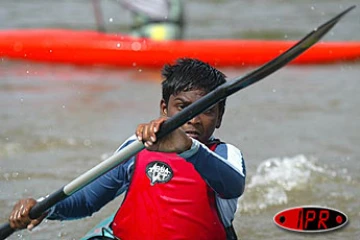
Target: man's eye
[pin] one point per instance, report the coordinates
(209, 110)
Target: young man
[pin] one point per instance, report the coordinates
(156, 19)
(183, 186)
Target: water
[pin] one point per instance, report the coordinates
(298, 129)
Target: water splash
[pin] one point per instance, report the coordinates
(289, 173)
(275, 178)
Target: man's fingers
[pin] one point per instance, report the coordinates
(139, 132)
(16, 220)
(33, 224)
(147, 132)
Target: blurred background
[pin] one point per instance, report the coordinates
(298, 129)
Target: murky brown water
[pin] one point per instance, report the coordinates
(298, 129)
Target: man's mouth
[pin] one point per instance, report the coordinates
(192, 134)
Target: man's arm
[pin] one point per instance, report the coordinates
(223, 169)
(91, 198)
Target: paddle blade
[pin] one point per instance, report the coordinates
(304, 44)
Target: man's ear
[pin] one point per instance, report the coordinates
(218, 123)
(219, 120)
(163, 108)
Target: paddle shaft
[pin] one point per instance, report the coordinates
(181, 118)
(98, 16)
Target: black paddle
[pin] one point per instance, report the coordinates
(179, 119)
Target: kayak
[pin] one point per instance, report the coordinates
(84, 47)
(101, 230)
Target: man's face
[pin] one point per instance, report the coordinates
(200, 127)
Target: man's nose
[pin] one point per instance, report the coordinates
(195, 119)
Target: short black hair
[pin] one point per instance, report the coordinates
(189, 74)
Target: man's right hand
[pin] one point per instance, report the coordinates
(19, 217)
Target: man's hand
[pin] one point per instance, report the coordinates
(19, 217)
(177, 141)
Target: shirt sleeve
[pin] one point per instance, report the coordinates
(223, 169)
(94, 196)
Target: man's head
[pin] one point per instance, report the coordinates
(185, 82)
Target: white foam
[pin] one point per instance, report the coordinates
(274, 178)
(289, 173)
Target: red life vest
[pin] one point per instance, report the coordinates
(167, 199)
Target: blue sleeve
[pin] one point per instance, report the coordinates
(94, 196)
(223, 169)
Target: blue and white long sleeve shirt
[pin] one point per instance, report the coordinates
(223, 170)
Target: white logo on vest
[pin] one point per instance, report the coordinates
(158, 172)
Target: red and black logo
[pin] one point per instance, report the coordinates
(310, 219)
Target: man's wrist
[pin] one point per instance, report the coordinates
(192, 150)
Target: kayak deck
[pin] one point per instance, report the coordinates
(100, 230)
(95, 48)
